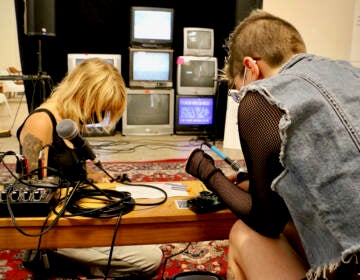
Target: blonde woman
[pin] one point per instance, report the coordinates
(89, 90)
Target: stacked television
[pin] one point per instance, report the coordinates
(196, 83)
(150, 93)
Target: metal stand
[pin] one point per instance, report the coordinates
(42, 76)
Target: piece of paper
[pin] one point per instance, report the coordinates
(142, 191)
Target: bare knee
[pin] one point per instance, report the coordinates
(249, 251)
(239, 233)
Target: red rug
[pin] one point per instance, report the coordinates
(178, 257)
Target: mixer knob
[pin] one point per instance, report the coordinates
(37, 195)
(26, 195)
(15, 195)
(3, 195)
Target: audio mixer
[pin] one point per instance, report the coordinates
(27, 200)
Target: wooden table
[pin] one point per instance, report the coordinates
(144, 225)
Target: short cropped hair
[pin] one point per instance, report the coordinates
(90, 89)
(261, 36)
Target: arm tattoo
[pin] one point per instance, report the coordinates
(31, 147)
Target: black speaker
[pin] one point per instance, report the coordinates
(39, 17)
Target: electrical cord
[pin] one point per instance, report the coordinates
(108, 266)
(164, 262)
(43, 230)
(161, 201)
(113, 203)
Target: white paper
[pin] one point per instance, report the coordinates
(139, 191)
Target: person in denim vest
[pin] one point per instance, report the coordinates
(299, 129)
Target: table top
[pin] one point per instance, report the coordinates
(157, 224)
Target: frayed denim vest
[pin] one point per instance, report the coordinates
(320, 153)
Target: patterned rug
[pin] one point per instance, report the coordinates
(177, 257)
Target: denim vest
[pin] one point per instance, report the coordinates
(320, 153)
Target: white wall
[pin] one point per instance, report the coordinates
(355, 46)
(9, 50)
(326, 26)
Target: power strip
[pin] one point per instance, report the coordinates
(26, 201)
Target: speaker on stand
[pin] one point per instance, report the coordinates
(39, 22)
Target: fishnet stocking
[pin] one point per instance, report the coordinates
(261, 208)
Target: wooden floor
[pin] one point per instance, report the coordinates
(117, 147)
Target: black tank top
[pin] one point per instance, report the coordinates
(61, 157)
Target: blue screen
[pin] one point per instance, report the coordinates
(195, 111)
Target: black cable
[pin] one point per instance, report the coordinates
(163, 200)
(108, 266)
(3, 155)
(116, 203)
(49, 227)
(110, 146)
(171, 256)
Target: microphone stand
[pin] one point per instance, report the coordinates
(41, 76)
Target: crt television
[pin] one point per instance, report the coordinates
(194, 114)
(150, 68)
(196, 75)
(198, 41)
(74, 59)
(149, 112)
(151, 27)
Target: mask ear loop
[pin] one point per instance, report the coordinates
(244, 77)
(245, 71)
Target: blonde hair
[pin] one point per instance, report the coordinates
(261, 36)
(90, 89)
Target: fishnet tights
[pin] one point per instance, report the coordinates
(261, 208)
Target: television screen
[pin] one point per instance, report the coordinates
(196, 75)
(149, 112)
(151, 68)
(154, 109)
(151, 27)
(194, 114)
(74, 59)
(198, 41)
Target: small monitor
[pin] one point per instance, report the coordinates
(198, 41)
(151, 68)
(196, 75)
(74, 59)
(194, 114)
(149, 112)
(151, 27)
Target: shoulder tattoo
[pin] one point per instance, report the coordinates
(31, 148)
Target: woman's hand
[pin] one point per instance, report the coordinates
(98, 176)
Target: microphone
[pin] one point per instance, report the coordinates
(234, 164)
(68, 130)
